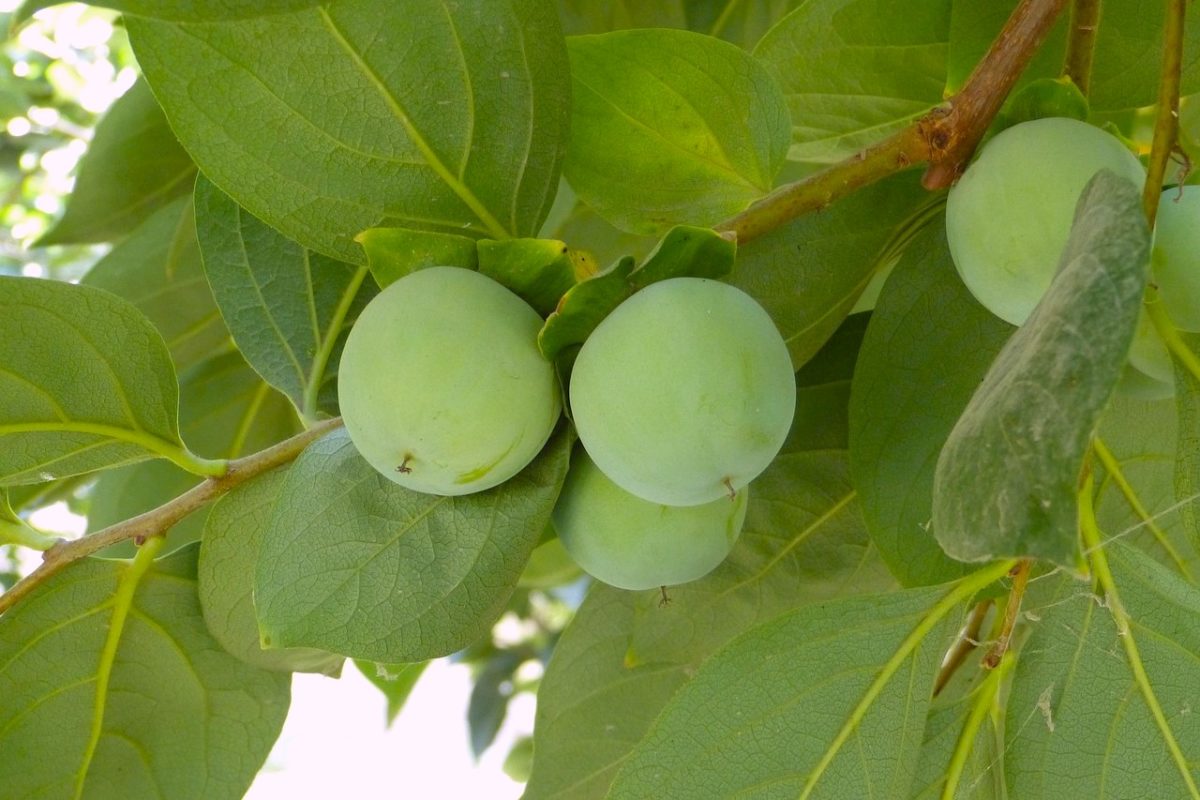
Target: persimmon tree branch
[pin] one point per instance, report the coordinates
(157, 521)
(1166, 120)
(946, 137)
(1081, 43)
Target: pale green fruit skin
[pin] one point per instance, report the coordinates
(1176, 256)
(1009, 216)
(630, 543)
(442, 367)
(684, 391)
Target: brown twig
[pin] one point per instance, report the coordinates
(965, 645)
(1081, 43)
(1020, 576)
(1166, 121)
(946, 137)
(157, 521)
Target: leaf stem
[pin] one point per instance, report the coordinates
(1081, 43)
(986, 697)
(176, 453)
(1113, 468)
(946, 137)
(726, 14)
(23, 535)
(1166, 121)
(332, 333)
(121, 603)
(158, 520)
(1090, 533)
(962, 590)
(1170, 334)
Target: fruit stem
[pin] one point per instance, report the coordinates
(1167, 331)
(154, 522)
(1166, 120)
(1081, 43)
(946, 137)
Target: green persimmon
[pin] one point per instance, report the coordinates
(1009, 216)
(631, 543)
(684, 393)
(1176, 256)
(441, 384)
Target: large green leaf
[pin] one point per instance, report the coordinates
(425, 114)
(626, 653)
(1007, 477)
(768, 715)
(186, 10)
(133, 166)
(226, 410)
(928, 346)
(1187, 448)
(854, 71)
(355, 564)
(1079, 726)
(157, 268)
(809, 273)
(671, 127)
(1127, 58)
(113, 688)
(85, 382)
(289, 309)
(233, 534)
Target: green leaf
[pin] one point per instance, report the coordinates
(183, 10)
(226, 410)
(549, 565)
(773, 713)
(1078, 724)
(809, 273)
(85, 383)
(625, 653)
(396, 681)
(671, 127)
(588, 16)
(233, 536)
(393, 253)
(289, 310)
(463, 134)
(133, 167)
(113, 688)
(928, 346)
(739, 22)
(539, 271)
(1007, 478)
(1187, 449)
(684, 252)
(488, 705)
(355, 564)
(158, 269)
(1142, 436)
(854, 71)
(1126, 61)
(582, 228)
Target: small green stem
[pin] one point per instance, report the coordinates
(1170, 334)
(726, 14)
(986, 698)
(1081, 43)
(963, 590)
(181, 456)
(1090, 533)
(332, 333)
(1166, 121)
(1020, 576)
(1113, 468)
(152, 523)
(23, 535)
